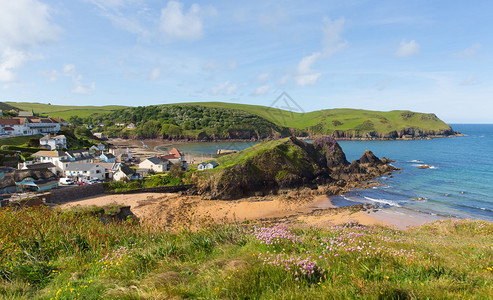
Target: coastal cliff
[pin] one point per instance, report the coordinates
(289, 163)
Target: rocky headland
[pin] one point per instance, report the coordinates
(278, 166)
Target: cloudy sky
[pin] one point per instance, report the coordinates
(427, 56)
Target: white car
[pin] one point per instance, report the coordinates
(66, 181)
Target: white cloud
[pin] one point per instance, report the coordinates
(305, 76)
(263, 77)
(52, 75)
(406, 49)
(210, 66)
(69, 70)
(124, 14)
(468, 52)
(331, 44)
(261, 90)
(332, 41)
(81, 88)
(10, 60)
(225, 88)
(24, 24)
(177, 23)
(471, 80)
(155, 74)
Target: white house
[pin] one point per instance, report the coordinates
(154, 164)
(207, 165)
(125, 173)
(85, 171)
(55, 157)
(53, 142)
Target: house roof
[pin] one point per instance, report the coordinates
(18, 175)
(110, 166)
(127, 170)
(108, 155)
(10, 121)
(49, 153)
(40, 166)
(81, 166)
(155, 160)
(176, 153)
(51, 137)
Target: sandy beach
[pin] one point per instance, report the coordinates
(176, 211)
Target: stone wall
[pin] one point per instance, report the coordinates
(75, 193)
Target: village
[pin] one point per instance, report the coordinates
(56, 167)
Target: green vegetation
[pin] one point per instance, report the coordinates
(217, 120)
(149, 182)
(63, 111)
(327, 120)
(54, 254)
(18, 140)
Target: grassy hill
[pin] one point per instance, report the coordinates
(343, 123)
(54, 254)
(328, 120)
(63, 111)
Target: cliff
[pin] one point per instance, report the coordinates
(288, 163)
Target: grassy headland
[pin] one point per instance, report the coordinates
(63, 111)
(54, 254)
(217, 120)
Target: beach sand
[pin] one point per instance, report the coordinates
(176, 211)
(139, 149)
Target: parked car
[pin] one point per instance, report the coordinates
(66, 181)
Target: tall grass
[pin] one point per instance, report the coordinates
(54, 254)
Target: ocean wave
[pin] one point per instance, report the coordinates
(416, 161)
(383, 201)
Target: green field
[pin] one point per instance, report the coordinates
(64, 111)
(317, 122)
(18, 140)
(349, 119)
(54, 254)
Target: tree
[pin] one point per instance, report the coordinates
(175, 171)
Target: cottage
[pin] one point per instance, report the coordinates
(24, 113)
(100, 135)
(53, 142)
(125, 173)
(207, 165)
(37, 166)
(107, 158)
(38, 180)
(87, 171)
(154, 164)
(131, 126)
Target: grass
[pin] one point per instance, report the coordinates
(18, 140)
(64, 111)
(320, 122)
(328, 120)
(54, 254)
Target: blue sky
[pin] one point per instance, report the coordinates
(427, 56)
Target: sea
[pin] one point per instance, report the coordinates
(459, 183)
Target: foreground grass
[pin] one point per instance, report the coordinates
(51, 254)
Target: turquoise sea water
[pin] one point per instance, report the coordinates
(459, 184)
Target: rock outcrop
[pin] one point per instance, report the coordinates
(289, 163)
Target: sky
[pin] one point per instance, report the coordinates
(425, 56)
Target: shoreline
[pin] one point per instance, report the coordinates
(176, 211)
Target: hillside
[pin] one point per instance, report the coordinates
(354, 122)
(280, 165)
(55, 254)
(63, 111)
(218, 120)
